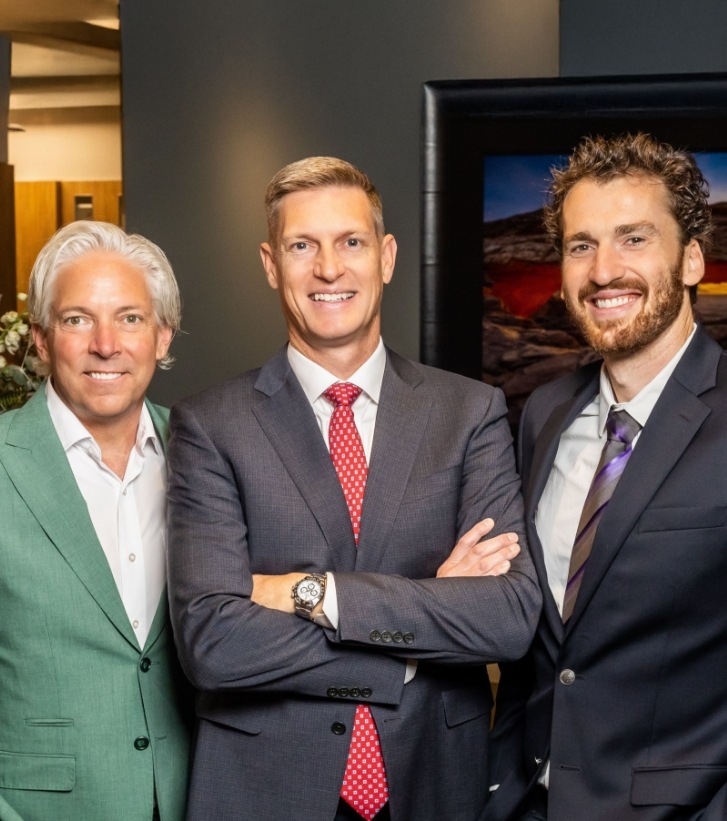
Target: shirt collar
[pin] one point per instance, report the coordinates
(640, 407)
(71, 430)
(314, 379)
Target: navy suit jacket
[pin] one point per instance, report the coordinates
(253, 490)
(641, 732)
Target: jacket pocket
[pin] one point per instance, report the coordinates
(682, 518)
(466, 704)
(26, 771)
(683, 786)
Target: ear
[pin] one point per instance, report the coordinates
(693, 263)
(164, 340)
(388, 257)
(269, 264)
(40, 339)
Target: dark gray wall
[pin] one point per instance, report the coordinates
(642, 37)
(218, 95)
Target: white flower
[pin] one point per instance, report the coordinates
(22, 328)
(9, 317)
(12, 341)
(3, 362)
(22, 297)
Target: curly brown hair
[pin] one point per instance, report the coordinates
(604, 158)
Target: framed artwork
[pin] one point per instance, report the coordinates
(490, 277)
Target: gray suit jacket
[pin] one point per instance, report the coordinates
(639, 734)
(253, 490)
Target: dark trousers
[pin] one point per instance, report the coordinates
(536, 807)
(347, 813)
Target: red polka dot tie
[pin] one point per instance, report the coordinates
(364, 782)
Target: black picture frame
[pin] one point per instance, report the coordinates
(464, 121)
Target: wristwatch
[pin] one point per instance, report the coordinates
(307, 593)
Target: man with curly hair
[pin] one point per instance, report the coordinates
(618, 711)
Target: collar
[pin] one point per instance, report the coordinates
(642, 404)
(71, 430)
(314, 379)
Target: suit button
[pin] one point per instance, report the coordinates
(386, 636)
(366, 692)
(144, 665)
(355, 692)
(141, 743)
(409, 638)
(337, 728)
(343, 692)
(398, 637)
(374, 635)
(567, 677)
(331, 692)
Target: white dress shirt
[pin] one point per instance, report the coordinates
(128, 514)
(579, 451)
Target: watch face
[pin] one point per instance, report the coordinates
(309, 590)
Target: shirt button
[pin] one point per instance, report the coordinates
(398, 637)
(409, 638)
(354, 692)
(366, 692)
(337, 728)
(331, 692)
(144, 665)
(374, 635)
(386, 636)
(567, 677)
(141, 743)
(132, 557)
(135, 624)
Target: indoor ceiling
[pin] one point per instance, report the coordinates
(65, 56)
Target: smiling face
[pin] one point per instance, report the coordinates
(103, 340)
(625, 270)
(330, 268)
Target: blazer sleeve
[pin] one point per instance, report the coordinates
(225, 641)
(455, 620)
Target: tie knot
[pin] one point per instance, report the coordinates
(621, 426)
(342, 393)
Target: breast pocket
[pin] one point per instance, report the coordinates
(682, 518)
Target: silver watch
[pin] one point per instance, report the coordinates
(307, 593)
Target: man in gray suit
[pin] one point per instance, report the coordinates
(339, 647)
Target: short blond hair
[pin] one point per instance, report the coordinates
(318, 172)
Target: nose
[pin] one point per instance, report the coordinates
(328, 264)
(607, 265)
(105, 340)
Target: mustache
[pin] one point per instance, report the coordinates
(623, 284)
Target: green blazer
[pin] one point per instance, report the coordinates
(92, 727)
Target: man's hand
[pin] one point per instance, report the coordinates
(274, 591)
(473, 557)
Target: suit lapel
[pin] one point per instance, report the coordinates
(288, 421)
(160, 419)
(681, 413)
(400, 420)
(38, 468)
(544, 453)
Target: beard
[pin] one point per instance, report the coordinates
(628, 335)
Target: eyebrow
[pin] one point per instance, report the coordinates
(645, 227)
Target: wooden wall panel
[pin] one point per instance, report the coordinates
(105, 200)
(7, 246)
(37, 217)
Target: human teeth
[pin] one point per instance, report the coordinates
(614, 302)
(332, 297)
(104, 375)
